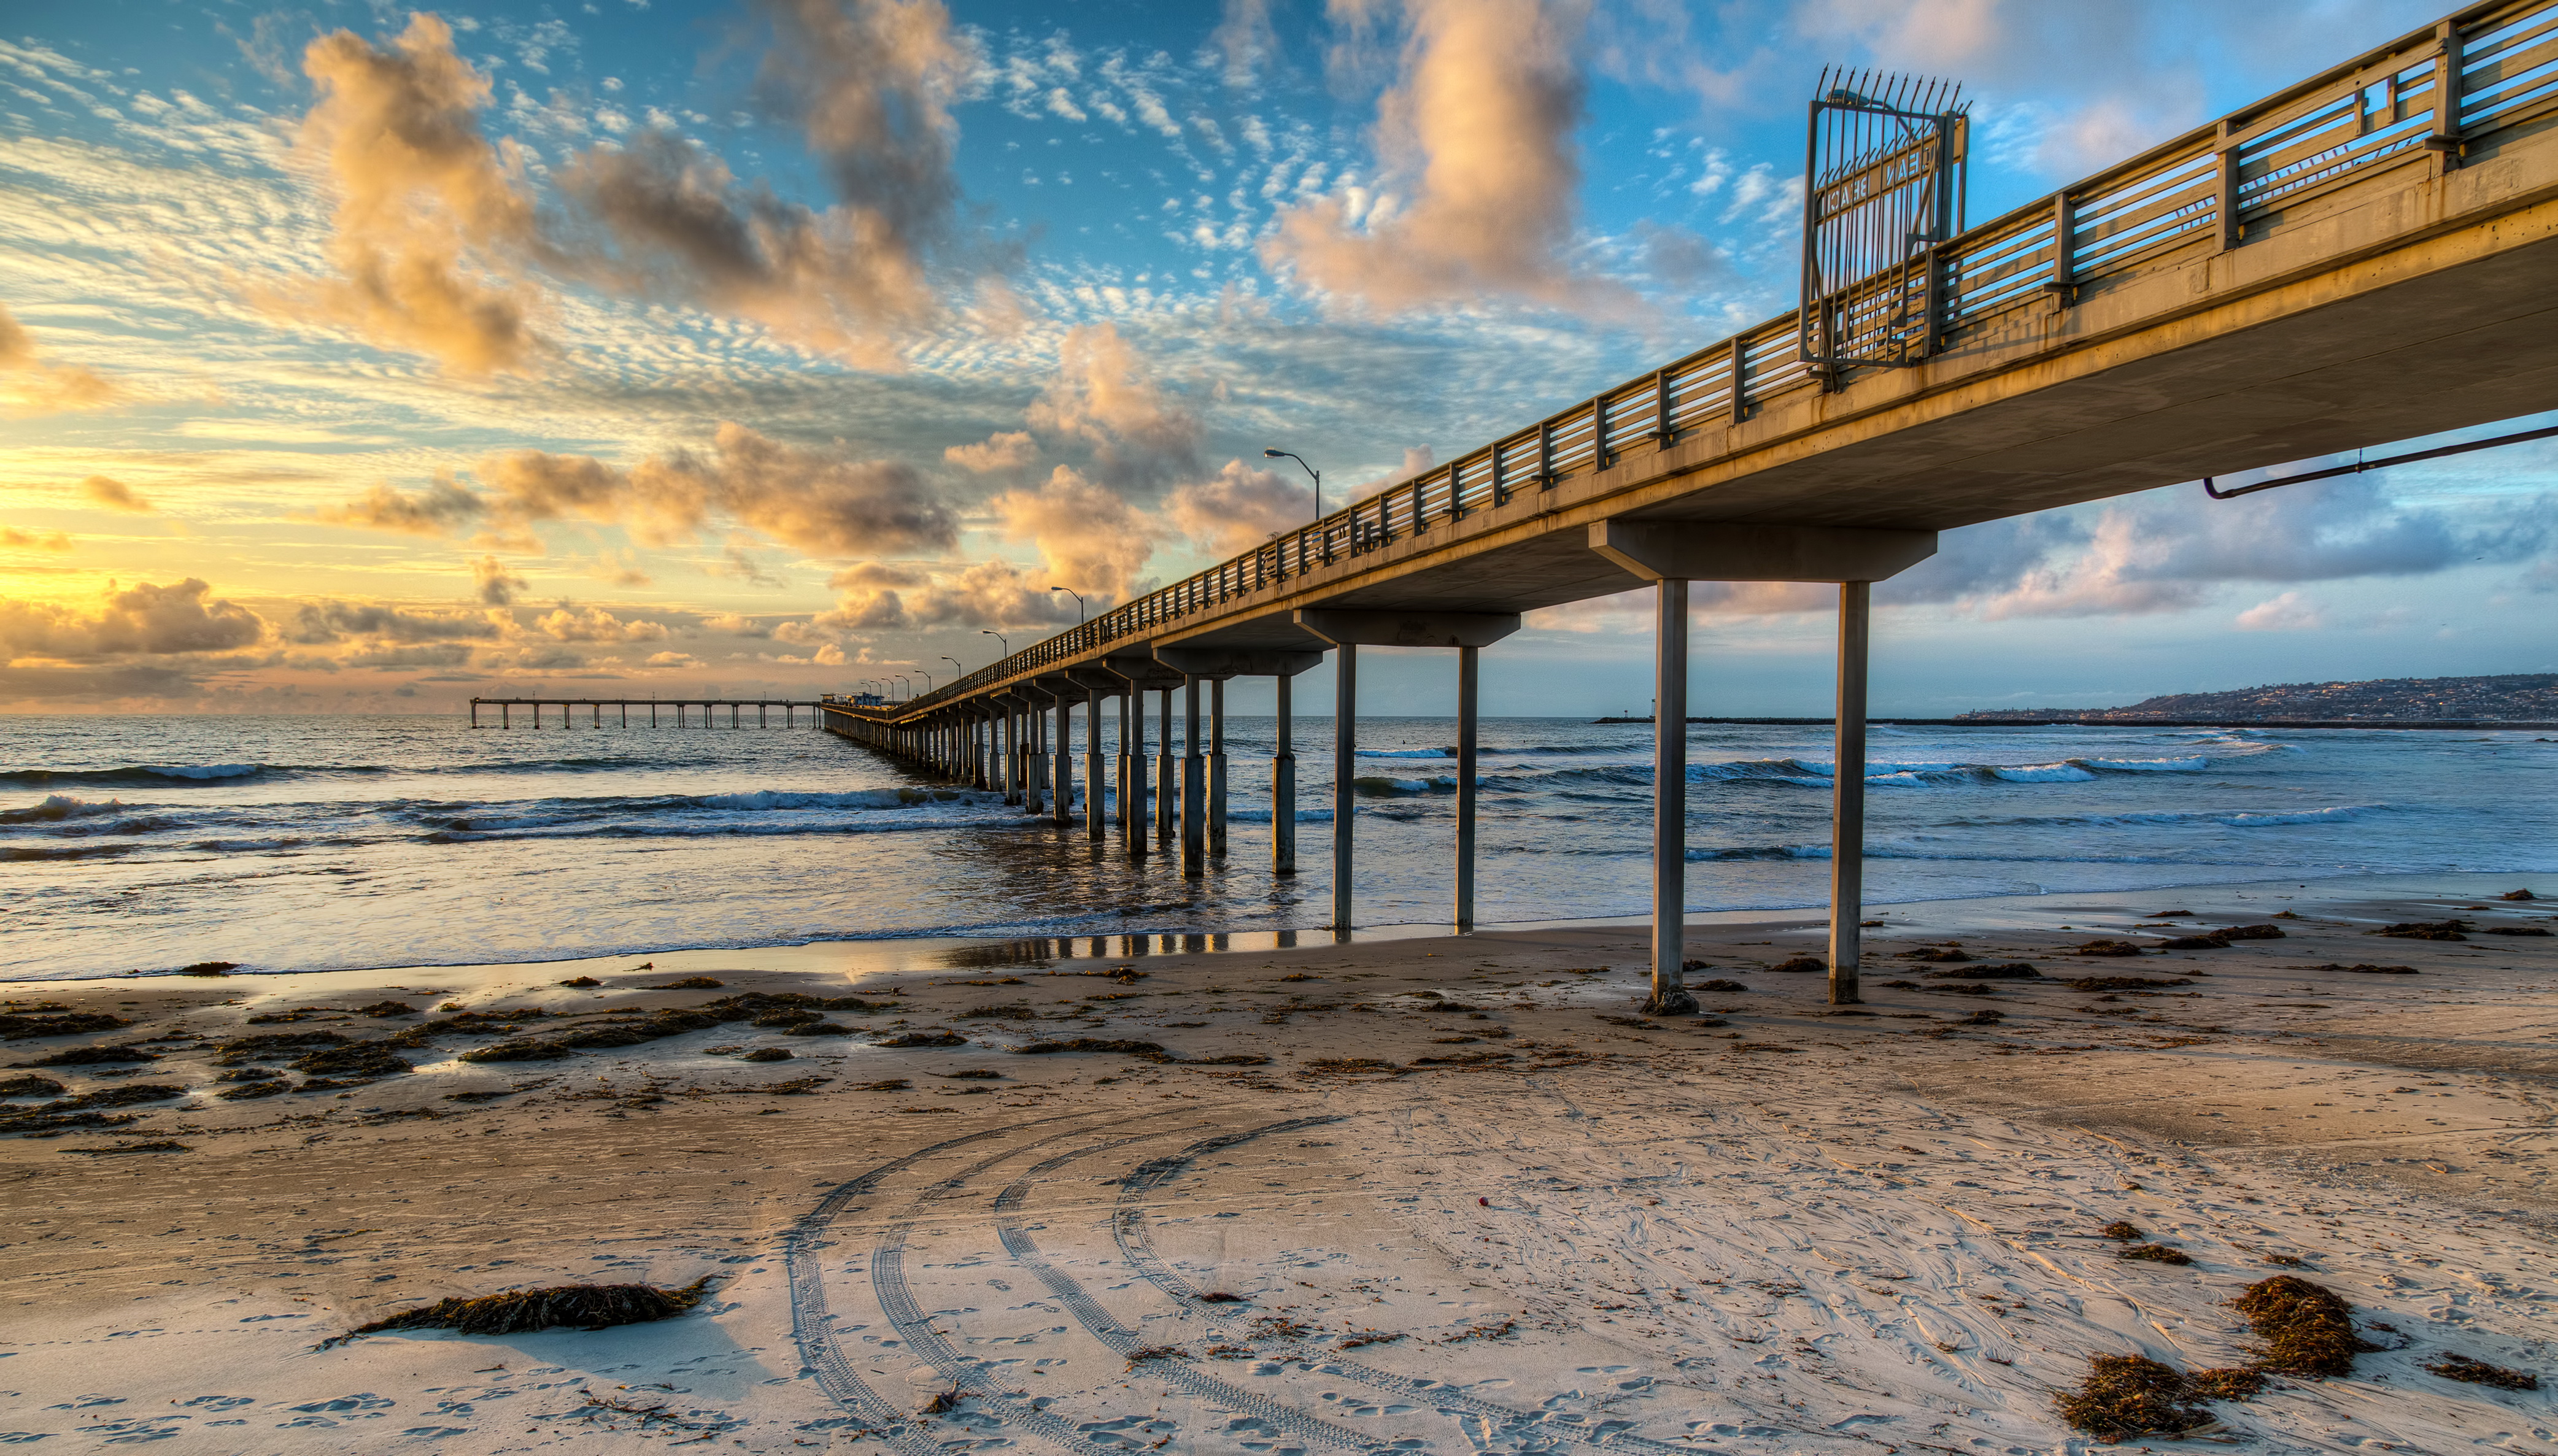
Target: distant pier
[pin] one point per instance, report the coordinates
(679, 707)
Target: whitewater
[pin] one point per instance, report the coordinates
(315, 842)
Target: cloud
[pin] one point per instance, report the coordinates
(114, 494)
(1011, 450)
(495, 586)
(736, 625)
(2284, 613)
(429, 220)
(817, 504)
(1103, 396)
(2171, 550)
(1477, 132)
(869, 85)
(34, 387)
(15, 539)
(595, 624)
(439, 510)
(1088, 536)
(881, 596)
(1246, 38)
(319, 622)
(1240, 507)
(144, 621)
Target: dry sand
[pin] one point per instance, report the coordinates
(1528, 1221)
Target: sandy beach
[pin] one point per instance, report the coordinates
(1426, 1194)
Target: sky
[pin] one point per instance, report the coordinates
(362, 358)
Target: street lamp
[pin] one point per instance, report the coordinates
(927, 679)
(1280, 454)
(909, 683)
(954, 662)
(1078, 602)
(998, 636)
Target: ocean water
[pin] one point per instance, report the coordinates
(316, 843)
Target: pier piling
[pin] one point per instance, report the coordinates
(1847, 795)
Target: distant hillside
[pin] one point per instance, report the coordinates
(2509, 697)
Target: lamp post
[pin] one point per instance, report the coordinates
(998, 636)
(1280, 454)
(927, 679)
(954, 662)
(1078, 602)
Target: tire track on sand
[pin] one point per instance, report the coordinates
(811, 1326)
(1123, 1340)
(1128, 1228)
(897, 1301)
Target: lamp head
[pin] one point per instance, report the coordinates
(1275, 453)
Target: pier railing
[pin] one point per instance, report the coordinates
(2431, 93)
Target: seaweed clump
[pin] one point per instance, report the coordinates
(691, 982)
(766, 1054)
(365, 1059)
(2126, 1395)
(2004, 970)
(2306, 1328)
(2479, 1373)
(1148, 1050)
(51, 1018)
(2107, 948)
(2155, 1254)
(2424, 930)
(562, 1306)
(29, 1085)
(92, 1056)
(2123, 982)
(1800, 965)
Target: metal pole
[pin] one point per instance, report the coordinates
(1217, 768)
(1093, 796)
(1345, 765)
(1168, 787)
(1035, 758)
(1193, 784)
(1283, 788)
(1670, 805)
(1847, 795)
(1466, 747)
(475, 713)
(506, 716)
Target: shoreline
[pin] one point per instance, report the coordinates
(891, 956)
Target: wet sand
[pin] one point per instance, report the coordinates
(1472, 1201)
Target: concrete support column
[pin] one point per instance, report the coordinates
(1093, 796)
(1670, 803)
(504, 711)
(1283, 787)
(1193, 784)
(1466, 755)
(1132, 769)
(1847, 795)
(1345, 768)
(1034, 762)
(1065, 761)
(1217, 768)
(1009, 764)
(1168, 783)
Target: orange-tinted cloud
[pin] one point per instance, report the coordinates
(114, 494)
(1088, 536)
(431, 221)
(494, 584)
(30, 386)
(1481, 177)
(1240, 507)
(868, 85)
(817, 504)
(17, 540)
(145, 620)
(1104, 396)
(881, 596)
